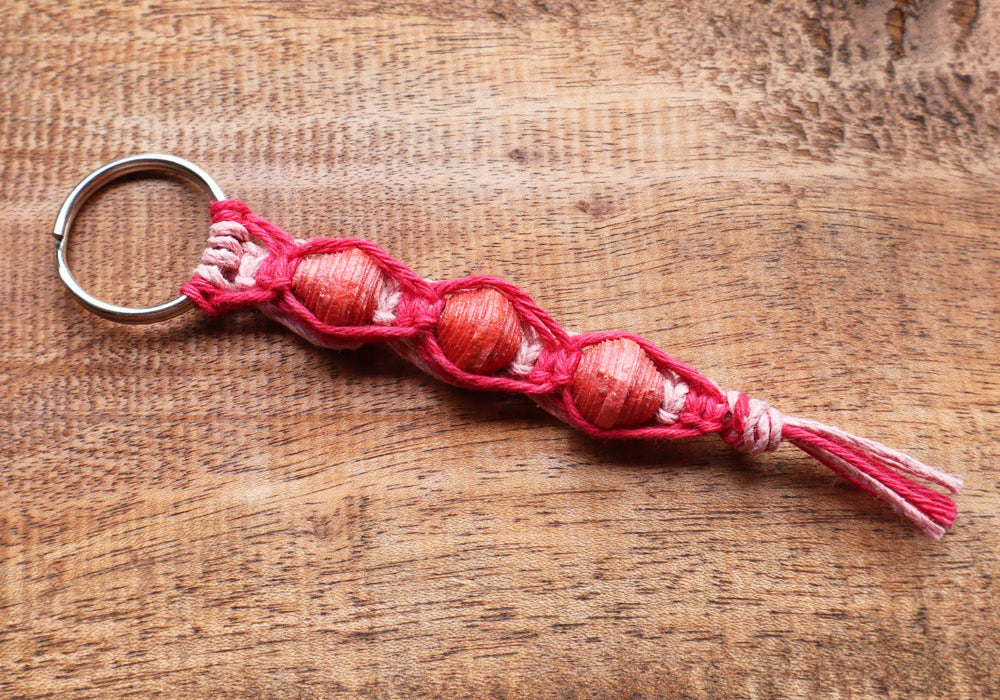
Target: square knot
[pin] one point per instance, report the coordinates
(751, 425)
(418, 312)
(553, 367)
(231, 260)
(229, 209)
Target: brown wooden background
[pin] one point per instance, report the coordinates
(799, 198)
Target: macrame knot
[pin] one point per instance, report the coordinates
(554, 367)
(751, 425)
(231, 260)
(418, 312)
(228, 209)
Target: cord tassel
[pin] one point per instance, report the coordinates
(753, 426)
(872, 467)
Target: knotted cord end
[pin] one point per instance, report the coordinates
(752, 425)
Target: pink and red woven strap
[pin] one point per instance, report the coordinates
(250, 262)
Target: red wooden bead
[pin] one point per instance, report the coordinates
(479, 330)
(616, 385)
(341, 289)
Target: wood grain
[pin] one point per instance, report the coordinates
(798, 198)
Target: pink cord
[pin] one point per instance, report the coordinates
(250, 262)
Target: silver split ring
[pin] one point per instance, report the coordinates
(146, 162)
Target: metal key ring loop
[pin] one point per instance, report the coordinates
(145, 162)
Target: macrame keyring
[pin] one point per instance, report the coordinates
(481, 332)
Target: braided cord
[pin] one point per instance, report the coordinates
(250, 262)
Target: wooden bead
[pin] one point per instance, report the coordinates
(616, 384)
(341, 289)
(479, 330)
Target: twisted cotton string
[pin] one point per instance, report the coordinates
(249, 262)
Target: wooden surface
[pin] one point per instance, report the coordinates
(800, 199)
